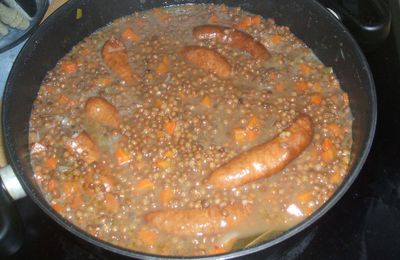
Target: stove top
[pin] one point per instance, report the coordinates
(364, 224)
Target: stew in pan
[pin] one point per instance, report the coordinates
(188, 129)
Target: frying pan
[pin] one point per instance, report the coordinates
(308, 20)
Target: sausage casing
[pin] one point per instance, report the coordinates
(265, 159)
(115, 56)
(208, 60)
(232, 37)
(189, 222)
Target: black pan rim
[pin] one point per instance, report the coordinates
(130, 253)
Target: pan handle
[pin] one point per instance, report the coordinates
(368, 20)
(11, 228)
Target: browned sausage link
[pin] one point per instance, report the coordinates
(189, 222)
(233, 37)
(265, 159)
(208, 60)
(100, 110)
(82, 145)
(115, 57)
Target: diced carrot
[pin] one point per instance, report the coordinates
(48, 89)
(92, 230)
(213, 19)
(304, 197)
(335, 129)
(69, 67)
(239, 134)
(84, 52)
(63, 99)
(253, 122)
(166, 196)
(111, 203)
(316, 99)
(70, 187)
(144, 185)
(326, 144)
(301, 86)
(157, 11)
(304, 68)
(256, 20)
(276, 39)
(206, 101)
(345, 98)
(77, 201)
(163, 164)
(163, 67)
(66, 101)
(216, 250)
(51, 163)
(308, 211)
(328, 156)
(160, 14)
(248, 21)
(280, 87)
(223, 8)
(170, 127)
(335, 178)
(272, 75)
(129, 35)
(244, 23)
(147, 236)
(251, 135)
(122, 156)
(158, 103)
(169, 154)
(51, 185)
(328, 151)
(58, 207)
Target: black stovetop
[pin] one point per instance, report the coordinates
(364, 224)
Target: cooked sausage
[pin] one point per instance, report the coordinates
(265, 159)
(208, 60)
(232, 37)
(100, 110)
(84, 146)
(189, 222)
(115, 57)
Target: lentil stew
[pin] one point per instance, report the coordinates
(184, 130)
